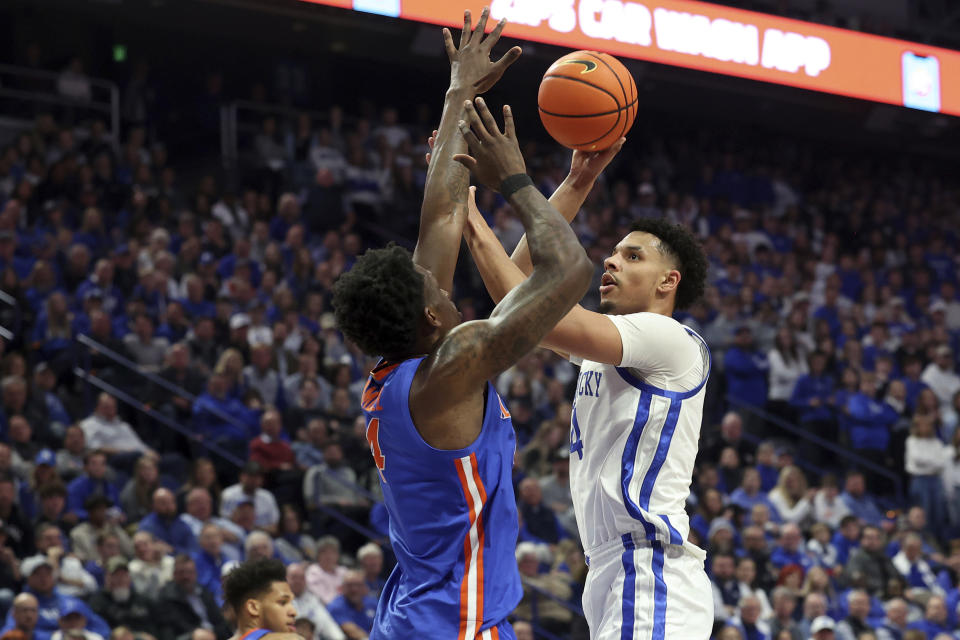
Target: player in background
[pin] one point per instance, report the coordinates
(635, 425)
(441, 438)
(261, 600)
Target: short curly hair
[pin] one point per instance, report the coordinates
(252, 580)
(379, 302)
(677, 242)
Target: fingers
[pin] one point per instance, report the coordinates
(427, 156)
(466, 161)
(472, 201)
(488, 121)
(481, 24)
(466, 130)
(509, 129)
(448, 44)
(507, 59)
(474, 124)
(465, 34)
(495, 34)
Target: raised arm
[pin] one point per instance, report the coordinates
(573, 191)
(445, 192)
(477, 351)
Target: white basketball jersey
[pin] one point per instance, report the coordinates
(635, 431)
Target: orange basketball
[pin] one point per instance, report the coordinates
(587, 100)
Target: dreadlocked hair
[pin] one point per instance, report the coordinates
(677, 242)
(379, 302)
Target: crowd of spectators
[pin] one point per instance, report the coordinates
(832, 307)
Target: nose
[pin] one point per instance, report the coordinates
(611, 263)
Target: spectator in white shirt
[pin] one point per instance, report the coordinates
(788, 361)
(150, 570)
(250, 488)
(941, 377)
(105, 431)
(790, 497)
(828, 507)
(925, 460)
(309, 606)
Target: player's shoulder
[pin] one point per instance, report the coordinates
(648, 324)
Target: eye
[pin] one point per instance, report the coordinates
(633, 255)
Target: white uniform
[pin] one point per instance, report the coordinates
(633, 441)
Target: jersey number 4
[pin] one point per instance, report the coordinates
(373, 437)
(576, 442)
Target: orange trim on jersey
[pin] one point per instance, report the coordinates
(370, 397)
(244, 636)
(379, 373)
(472, 563)
(504, 414)
(494, 633)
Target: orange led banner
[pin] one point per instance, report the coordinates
(718, 39)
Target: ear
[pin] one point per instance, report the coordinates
(252, 607)
(669, 282)
(431, 317)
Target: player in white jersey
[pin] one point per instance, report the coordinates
(636, 420)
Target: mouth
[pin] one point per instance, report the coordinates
(292, 628)
(607, 283)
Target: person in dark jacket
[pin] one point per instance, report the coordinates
(183, 605)
(119, 603)
(869, 565)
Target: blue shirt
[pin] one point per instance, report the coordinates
(84, 486)
(48, 618)
(747, 376)
(780, 558)
(863, 507)
(174, 532)
(342, 611)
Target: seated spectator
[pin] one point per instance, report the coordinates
(211, 410)
(749, 492)
(268, 449)
(858, 608)
(183, 605)
(72, 578)
(823, 628)
(913, 566)
(784, 605)
(83, 537)
(53, 505)
(73, 625)
(199, 514)
(814, 606)
(555, 488)
(828, 506)
(746, 368)
(811, 398)
(870, 421)
(869, 565)
(755, 547)
(895, 623)
(325, 576)
(108, 547)
(105, 431)
(934, 619)
(747, 581)
(172, 534)
(250, 487)
(260, 374)
(210, 560)
(202, 475)
(747, 623)
(790, 551)
(307, 407)
(70, 459)
(257, 546)
(539, 522)
(293, 545)
(20, 534)
(136, 497)
(355, 609)
(38, 573)
(941, 377)
(119, 603)
(726, 587)
(146, 349)
(858, 501)
(93, 481)
(309, 446)
(309, 605)
(790, 498)
(370, 559)
(25, 612)
(151, 568)
(180, 372)
(731, 435)
(331, 484)
(549, 613)
(22, 438)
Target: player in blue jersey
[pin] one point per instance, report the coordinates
(441, 438)
(261, 600)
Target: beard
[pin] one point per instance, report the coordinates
(606, 307)
(120, 595)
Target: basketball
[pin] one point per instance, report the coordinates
(587, 100)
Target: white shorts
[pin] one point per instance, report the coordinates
(638, 590)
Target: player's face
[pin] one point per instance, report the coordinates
(635, 274)
(277, 612)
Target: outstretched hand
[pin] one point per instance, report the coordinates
(470, 66)
(494, 156)
(585, 166)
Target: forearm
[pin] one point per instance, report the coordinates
(567, 199)
(444, 206)
(550, 240)
(499, 274)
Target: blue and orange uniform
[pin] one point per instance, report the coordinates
(254, 634)
(453, 518)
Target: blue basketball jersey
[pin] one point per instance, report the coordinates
(453, 518)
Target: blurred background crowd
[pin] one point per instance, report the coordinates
(175, 397)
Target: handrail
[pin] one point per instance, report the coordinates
(53, 75)
(856, 458)
(159, 417)
(154, 378)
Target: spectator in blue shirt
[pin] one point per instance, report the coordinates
(210, 411)
(934, 620)
(354, 609)
(811, 398)
(858, 501)
(93, 481)
(749, 492)
(746, 369)
(847, 538)
(165, 526)
(790, 550)
(870, 419)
